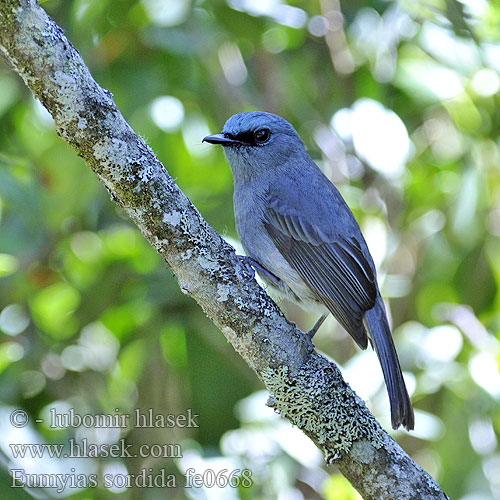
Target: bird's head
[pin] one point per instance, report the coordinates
(255, 142)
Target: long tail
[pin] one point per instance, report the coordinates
(375, 321)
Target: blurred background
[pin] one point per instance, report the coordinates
(397, 101)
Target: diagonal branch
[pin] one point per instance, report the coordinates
(307, 389)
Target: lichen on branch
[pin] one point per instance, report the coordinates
(307, 389)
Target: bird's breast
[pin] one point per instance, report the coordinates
(249, 214)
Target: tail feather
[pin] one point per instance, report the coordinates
(375, 321)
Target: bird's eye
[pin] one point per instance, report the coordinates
(262, 135)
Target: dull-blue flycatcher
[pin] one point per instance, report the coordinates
(304, 241)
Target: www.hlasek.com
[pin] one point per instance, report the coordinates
(83, 448)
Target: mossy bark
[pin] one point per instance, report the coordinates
(307, 389)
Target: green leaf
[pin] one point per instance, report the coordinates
(52, 310)
(8, 264)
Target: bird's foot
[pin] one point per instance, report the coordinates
(271, 402)
(316, 326)
(249, 268)
(256, 266)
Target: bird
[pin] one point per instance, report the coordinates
(303, 240)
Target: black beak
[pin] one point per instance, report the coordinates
(220, 139)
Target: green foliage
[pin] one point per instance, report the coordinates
(338, 488)
(399, 106)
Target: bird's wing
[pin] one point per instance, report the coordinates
(333, 266)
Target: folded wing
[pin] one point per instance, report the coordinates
(334, 267)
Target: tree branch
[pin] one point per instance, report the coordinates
(307, 389)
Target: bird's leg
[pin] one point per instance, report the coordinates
(246, 261)
(253, 264)
(316, 326)
(271, 402)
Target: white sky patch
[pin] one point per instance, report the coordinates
(484, 370)
(443, 343)
(44, 117)
(116, 472)
(194, 129)
(73, 358)
(255, 443)
(266, 434)
(395, 285)
(209, 467)
(100, 346)
(457, 52)
(81, 9)
(255, 7)
(364, 374)
(428, 223)
(342, 123)
(14, 319)
(282, 13)
(290, 16)
(378, 135)
(375, 233)
(167, 12)
(253, 409)
(232, 64)
(486, 82)
(167, 112)
(428, 426)
(491, 466)
(294, 442)
(318, 26)
(482, 436)
(476, 8)
(443, 83)
(491, 52)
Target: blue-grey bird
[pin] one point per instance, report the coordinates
(304, 241)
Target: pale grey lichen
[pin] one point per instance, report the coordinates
(173, 218)
(207, 263)
(318, 401)
(222, 292)
(159, 244)
(186, 255)
(364, 454)
(146, 173)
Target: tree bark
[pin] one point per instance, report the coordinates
(306, 388)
